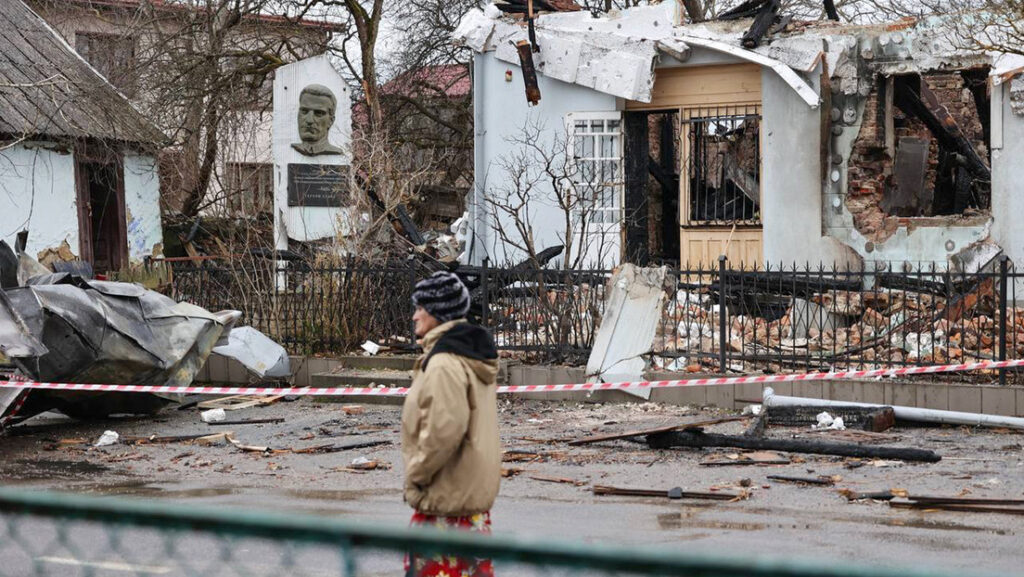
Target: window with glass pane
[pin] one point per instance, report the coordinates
(597, 148)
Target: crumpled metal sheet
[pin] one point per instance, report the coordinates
(64, 328)
(629, 325)
(257, 352)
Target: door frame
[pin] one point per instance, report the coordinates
(86, 154)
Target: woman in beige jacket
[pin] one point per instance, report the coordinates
(450, 442)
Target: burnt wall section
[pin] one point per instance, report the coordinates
(901, 168)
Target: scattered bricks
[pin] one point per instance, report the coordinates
(875, 319)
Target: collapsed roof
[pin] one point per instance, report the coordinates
(616, 53)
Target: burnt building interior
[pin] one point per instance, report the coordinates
(651, 204)
(718, 149)
(922, 150)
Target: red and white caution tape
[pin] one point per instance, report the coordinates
(401, 391)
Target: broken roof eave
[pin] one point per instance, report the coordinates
(806, 92)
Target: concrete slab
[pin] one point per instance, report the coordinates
(300, 371)
(999, 401)
(809, 390)
(689, 396)
(843, 391)
(966, 398)
(901, 394)
(721, 396)
(748, 393)
(871, 391)
(932, 396)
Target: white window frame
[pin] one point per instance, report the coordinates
(605, 217)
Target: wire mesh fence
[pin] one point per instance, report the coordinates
(714, 319)
(51, 534)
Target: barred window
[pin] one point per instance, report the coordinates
(723, 165)
(597, 151)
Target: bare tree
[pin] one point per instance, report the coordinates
(191, 66)
(542, 175)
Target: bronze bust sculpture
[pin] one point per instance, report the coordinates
(317, 106)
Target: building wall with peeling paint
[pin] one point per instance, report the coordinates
(37, 193)
(1008, 179)
(142, 207)
(502, 114)
(791, 177)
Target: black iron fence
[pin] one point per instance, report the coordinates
(717, 319)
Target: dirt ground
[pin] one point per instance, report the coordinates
(774, 520)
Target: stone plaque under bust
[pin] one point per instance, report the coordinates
(317, 185)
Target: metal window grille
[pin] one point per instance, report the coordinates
(597, 150)
(722, 159)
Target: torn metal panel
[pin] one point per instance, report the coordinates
(799, 53)
(627, 331)
(63, 328)
(806, 92)
(257, 352)
(474, 30)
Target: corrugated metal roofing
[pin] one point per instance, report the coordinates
(46, 89)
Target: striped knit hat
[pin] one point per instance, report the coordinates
(443, 296)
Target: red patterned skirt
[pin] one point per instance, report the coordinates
(446, 565)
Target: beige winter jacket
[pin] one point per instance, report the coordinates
(450, 441)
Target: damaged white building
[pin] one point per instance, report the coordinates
(808, 142)
(78, 167)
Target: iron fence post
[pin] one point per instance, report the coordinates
(1004, 263)
(722, 335)
(484, 297)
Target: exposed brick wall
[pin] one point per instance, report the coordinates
(870, 166)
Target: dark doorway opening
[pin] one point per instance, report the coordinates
(102, 228)
(652, 186)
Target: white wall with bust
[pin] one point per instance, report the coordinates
(318, 162)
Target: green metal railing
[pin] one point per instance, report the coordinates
(44, 533)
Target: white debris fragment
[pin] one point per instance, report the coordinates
(107, 438)
(825, 420)
(752, 410)
(370, 347)
(837, 424)
(213, 415)
(360, 461)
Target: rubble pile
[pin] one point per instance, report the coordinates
(866, 328)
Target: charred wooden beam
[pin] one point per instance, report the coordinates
(762, 22)
(659, 174)
(744, 10)
(525, 50)
(700, 440)
(830, 10)
(927, 108)
(674, 493)
(636, 153)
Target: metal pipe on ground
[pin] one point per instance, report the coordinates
(770, 399)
